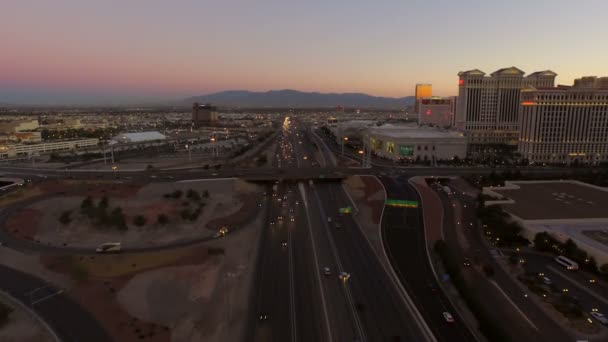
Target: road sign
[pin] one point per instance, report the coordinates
(401, 203)
(346, 210)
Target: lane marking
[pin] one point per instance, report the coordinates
(514, 305)
(318, 270)
(575, 283)
(349, 297)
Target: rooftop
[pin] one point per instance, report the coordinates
(555, 200)
(414, 132)
(140, 136)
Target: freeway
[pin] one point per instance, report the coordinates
(68, 321)
(404, 240)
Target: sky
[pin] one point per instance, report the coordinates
(113, 51)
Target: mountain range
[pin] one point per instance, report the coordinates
(288, 98)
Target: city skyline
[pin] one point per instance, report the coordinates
(126, 53)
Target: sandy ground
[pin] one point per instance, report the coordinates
(186, 294)
(21, 326)
(203, 302)
(40, 222)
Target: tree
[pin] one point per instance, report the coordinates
(177, 194)
(488, 270)
(206, 194)
(139, 220)
(65, 218)
(162, 219)
(185, 214)
(193, 195)
(604, 268)
(86, 203)
(103, 203)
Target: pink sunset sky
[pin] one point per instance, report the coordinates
(78, 51)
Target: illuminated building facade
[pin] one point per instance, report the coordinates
(423, 90)
(565, 124)
(488, 106)
(204, 114)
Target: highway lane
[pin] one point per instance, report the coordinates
(404, 241)
(379, 308)
(545, 329)
(67, 319)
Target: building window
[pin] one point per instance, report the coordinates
(426, 147)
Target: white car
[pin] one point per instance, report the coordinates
(600, 317)
(326, 271)
(448, 317)
(109, 247)
(329, 219)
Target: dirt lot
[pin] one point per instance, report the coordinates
(229, 202)
(198, 293)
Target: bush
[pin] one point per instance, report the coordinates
(162, 219)
(103, 203)
(205, 194)
(177, 194)
(5, 311)
(65, 218)
(139, 220)
(185, 214)
(86, 203)
(193, 195)
(488, 270)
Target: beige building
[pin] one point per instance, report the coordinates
(16, 126)
(565, 124)
(488, 106)
(25, 150)
(436, 111)
(417, 143)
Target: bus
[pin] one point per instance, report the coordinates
(567, 263)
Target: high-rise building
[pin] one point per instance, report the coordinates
(205, 114)
(436, 111)
(488, 106)
(565, 124)
(423, 90)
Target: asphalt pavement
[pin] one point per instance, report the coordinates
(405, 244)
(67, 319)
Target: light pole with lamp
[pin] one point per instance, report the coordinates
(188, 147)
(344, 140)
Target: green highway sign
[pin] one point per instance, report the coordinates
(346, 210)
(401, 203)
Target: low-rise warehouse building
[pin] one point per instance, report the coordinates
(565, 209)
(24, 150)
(416, 143)
(138, 137)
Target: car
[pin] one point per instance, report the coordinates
(338, 225)
(599, 317)
(272, 223)
(432, 287)
(344, 276)
(448, 317)
(284, 244)
(466, 262)
(546, 280)
(326, 271)
(279, 218)
(329, 219)
(109, 247)
(292, 219)
(263, 316)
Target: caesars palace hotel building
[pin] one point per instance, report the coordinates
(487, 110)
(565, 124)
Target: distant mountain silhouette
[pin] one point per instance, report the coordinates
(296, 99)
